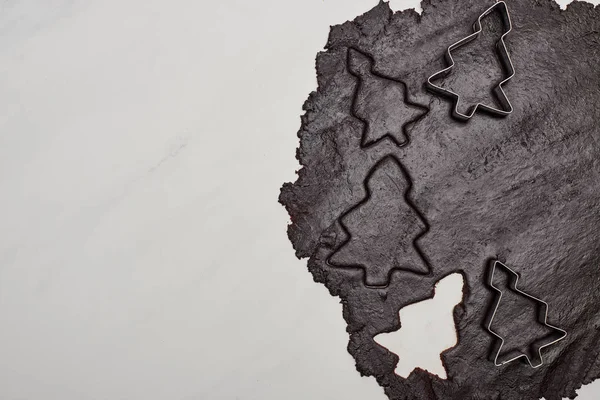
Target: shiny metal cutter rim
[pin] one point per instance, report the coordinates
(489, 327)
(504, 57)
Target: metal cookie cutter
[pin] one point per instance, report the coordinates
(504, 58)
(544, 320)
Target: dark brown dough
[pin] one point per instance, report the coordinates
(524, 189)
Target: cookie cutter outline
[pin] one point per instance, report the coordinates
(513, 287)
(414, 241)
(504, 59)
(405, 98)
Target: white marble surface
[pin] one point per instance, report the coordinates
(142, 251)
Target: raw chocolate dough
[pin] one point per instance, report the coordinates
(524, 189)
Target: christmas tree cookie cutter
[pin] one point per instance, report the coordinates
(504, 59)
(544, 320)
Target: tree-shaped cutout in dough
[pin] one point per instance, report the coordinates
(429, 321)
(381, 103)
(383, 229)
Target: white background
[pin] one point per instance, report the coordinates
(143, 254)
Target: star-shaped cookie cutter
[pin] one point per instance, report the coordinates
(513, 287)
(504, 58)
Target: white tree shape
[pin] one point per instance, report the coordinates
(427, 330)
